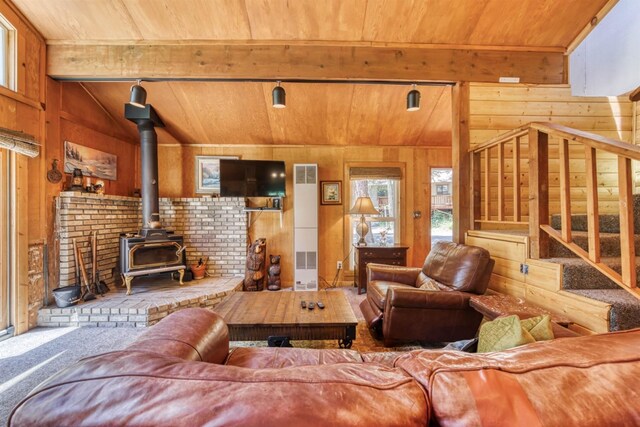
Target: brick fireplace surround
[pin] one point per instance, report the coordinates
(213, 227)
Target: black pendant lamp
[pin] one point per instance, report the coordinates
(278, 97)
(413, 99)
(138, 96)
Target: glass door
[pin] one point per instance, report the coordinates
(441, 204)
(4, 243)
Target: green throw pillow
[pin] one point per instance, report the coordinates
(539, 327)
(501, 334)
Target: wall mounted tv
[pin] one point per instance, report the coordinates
(252, 178)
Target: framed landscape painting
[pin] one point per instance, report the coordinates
(331, 192)
(208, 173)
(90, 161)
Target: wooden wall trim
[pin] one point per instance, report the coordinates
(290, 61)
(591, 25)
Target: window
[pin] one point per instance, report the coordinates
(7, 54)
(382, 185)
(442, 190)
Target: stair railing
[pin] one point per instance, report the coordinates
(538, 219)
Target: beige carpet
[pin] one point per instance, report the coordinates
(365, 340)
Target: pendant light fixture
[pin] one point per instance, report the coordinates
(413, 99)
(138, 95)
(278, 97)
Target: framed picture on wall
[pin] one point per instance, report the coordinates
(208, 173)
(91, 162)
(331, 192)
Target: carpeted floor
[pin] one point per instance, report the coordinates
(29, 359)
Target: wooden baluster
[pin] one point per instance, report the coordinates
(487, 184)
(476, 199)
(627, 243)
(517, 212)
(538, 193)
(565, 191)
(501, 181)
(592, 204)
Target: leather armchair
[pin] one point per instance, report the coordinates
(430, 303)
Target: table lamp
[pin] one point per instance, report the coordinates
(363, 206)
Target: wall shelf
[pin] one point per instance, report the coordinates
(251, 210)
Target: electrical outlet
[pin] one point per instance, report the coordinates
(339, 265)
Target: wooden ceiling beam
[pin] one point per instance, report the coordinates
(283, 61)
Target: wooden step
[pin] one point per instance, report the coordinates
(578, 274)
(625, 308)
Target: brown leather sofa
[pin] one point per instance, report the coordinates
(440, 311)
(180, 373)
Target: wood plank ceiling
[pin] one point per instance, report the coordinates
(335, 114)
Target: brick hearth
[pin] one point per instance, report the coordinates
(153, 298)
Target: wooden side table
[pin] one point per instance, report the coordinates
(390, 254)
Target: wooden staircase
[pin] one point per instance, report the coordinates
(581, 278)
(582, 265)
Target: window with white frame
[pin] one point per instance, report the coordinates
(7, 54)
(382, 186)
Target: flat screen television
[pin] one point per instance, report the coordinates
(252, 178)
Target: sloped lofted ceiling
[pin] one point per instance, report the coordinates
(318, 113)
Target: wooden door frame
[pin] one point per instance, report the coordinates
(5, 313)
(430, 168)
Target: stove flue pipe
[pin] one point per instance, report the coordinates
(147, 120)
(149, 171)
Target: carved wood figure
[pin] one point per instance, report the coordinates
(274, 273)
(256, 266)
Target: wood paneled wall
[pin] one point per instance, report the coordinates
(177, 176)
(495, 109)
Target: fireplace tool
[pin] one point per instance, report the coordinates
(99, 285)
(87, 295)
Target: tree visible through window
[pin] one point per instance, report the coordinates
(383, 228)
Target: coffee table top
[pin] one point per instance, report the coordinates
(283, 308)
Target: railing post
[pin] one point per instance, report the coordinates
(538, 193)
(565, 191)
(593, 215)
(501, 182)
(516, 180)
(487, 184)
(476, 197)
(627, 241)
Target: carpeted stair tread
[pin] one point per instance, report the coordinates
(625, 308)
(609, 245)
(578, 274)
(608, 223)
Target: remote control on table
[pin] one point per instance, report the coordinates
(320, 305)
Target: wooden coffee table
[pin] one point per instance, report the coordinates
(278, 316)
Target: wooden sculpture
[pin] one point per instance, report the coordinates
(256, 266)
(274, 273)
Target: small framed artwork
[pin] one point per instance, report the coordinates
(208, 173)
(331, 192)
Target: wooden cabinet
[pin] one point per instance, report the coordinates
(391, 255)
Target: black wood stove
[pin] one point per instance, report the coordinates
(153, 249)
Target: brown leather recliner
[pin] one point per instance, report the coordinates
(430, 303)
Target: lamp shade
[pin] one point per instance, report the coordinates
(138, 96)
(278, 97)
(363, 206)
